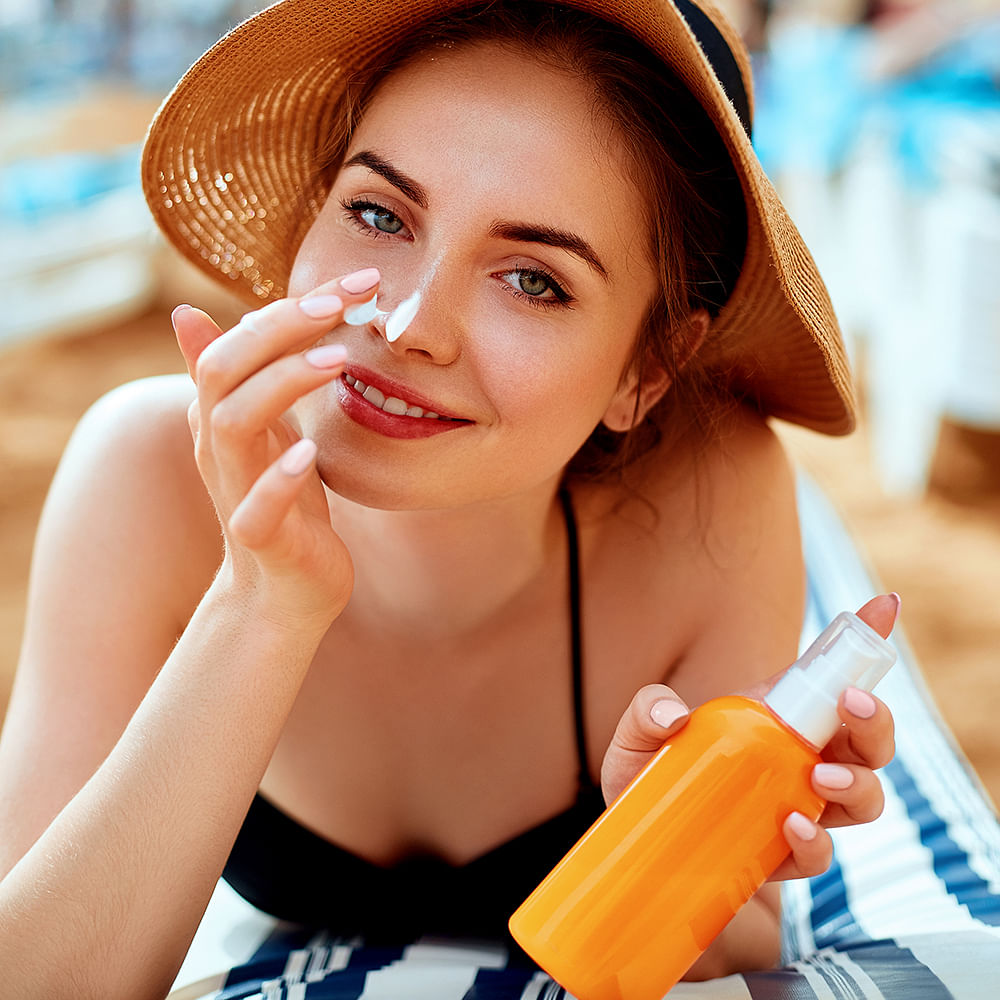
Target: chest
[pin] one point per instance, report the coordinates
(406, 743)
(412, 739)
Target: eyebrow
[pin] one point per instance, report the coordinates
(407, 185)
(518, 232)
(524, 232)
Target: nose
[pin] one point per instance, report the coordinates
(424, 322)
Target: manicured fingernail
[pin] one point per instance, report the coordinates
(298, 458)
(327, 356)
(183, 307)
(859, 703)
(321, 306)
(802, 826)
(666, 712)
(360, 281)
(833, 776)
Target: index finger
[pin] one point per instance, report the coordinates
(277, 330)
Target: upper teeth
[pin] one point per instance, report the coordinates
(391, 404)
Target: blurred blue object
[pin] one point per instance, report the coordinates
(816, 99)
(49, 47)
(811, 95)
(917, 110)
(76, 243)
(36, 187)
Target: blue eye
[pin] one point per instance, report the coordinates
(537, 286)
(373, 218)
(382, 219)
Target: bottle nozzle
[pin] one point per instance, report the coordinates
(847, 653)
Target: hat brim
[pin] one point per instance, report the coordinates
(229, 172)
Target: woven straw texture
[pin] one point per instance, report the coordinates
(230, 173)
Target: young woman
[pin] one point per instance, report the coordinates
(442, 569)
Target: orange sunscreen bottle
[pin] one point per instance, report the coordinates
(660, 873)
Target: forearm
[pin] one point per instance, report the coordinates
(751, 940)
(106, 901)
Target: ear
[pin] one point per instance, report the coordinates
(635, 397)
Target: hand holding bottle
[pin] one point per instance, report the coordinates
(729, 801)
(845, 779)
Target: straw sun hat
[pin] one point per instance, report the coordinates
(229, 172)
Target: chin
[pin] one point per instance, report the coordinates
(377, 490)
(362, 490)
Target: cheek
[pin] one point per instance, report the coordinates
(559, 386)
(321, 256)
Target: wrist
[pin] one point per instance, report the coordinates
(274, 606)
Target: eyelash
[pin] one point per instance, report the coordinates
(561, 298)
(353, 209)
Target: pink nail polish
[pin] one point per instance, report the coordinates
(360, 281)
(327, 356)
(859, 703)
(803, 827)
(833, 776)
(321, 306)
(298, 458)
(666, 712)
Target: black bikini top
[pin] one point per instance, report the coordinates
(289, 871)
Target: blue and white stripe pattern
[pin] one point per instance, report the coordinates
(909, 910)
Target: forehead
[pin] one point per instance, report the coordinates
(493, 121)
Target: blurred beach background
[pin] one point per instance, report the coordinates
(878, 121)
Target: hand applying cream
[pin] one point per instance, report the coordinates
(397, 321)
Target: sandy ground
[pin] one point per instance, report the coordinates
(941, 552)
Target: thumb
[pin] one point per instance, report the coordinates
(654, 714)
(194, 330)
(881, 613)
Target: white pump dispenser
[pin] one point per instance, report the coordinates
(848, 653)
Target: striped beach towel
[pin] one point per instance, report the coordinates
(909, 909)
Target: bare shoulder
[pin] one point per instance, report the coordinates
(707, 548)
(128, 482)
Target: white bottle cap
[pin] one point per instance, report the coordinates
(848, 653)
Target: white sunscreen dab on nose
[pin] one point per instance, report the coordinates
(402, 317)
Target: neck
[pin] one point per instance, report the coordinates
(446, 572)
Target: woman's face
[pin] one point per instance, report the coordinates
(483, 178)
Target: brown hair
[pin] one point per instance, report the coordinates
(696, 213)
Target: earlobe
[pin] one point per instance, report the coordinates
(635, 399)
(639, 394)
